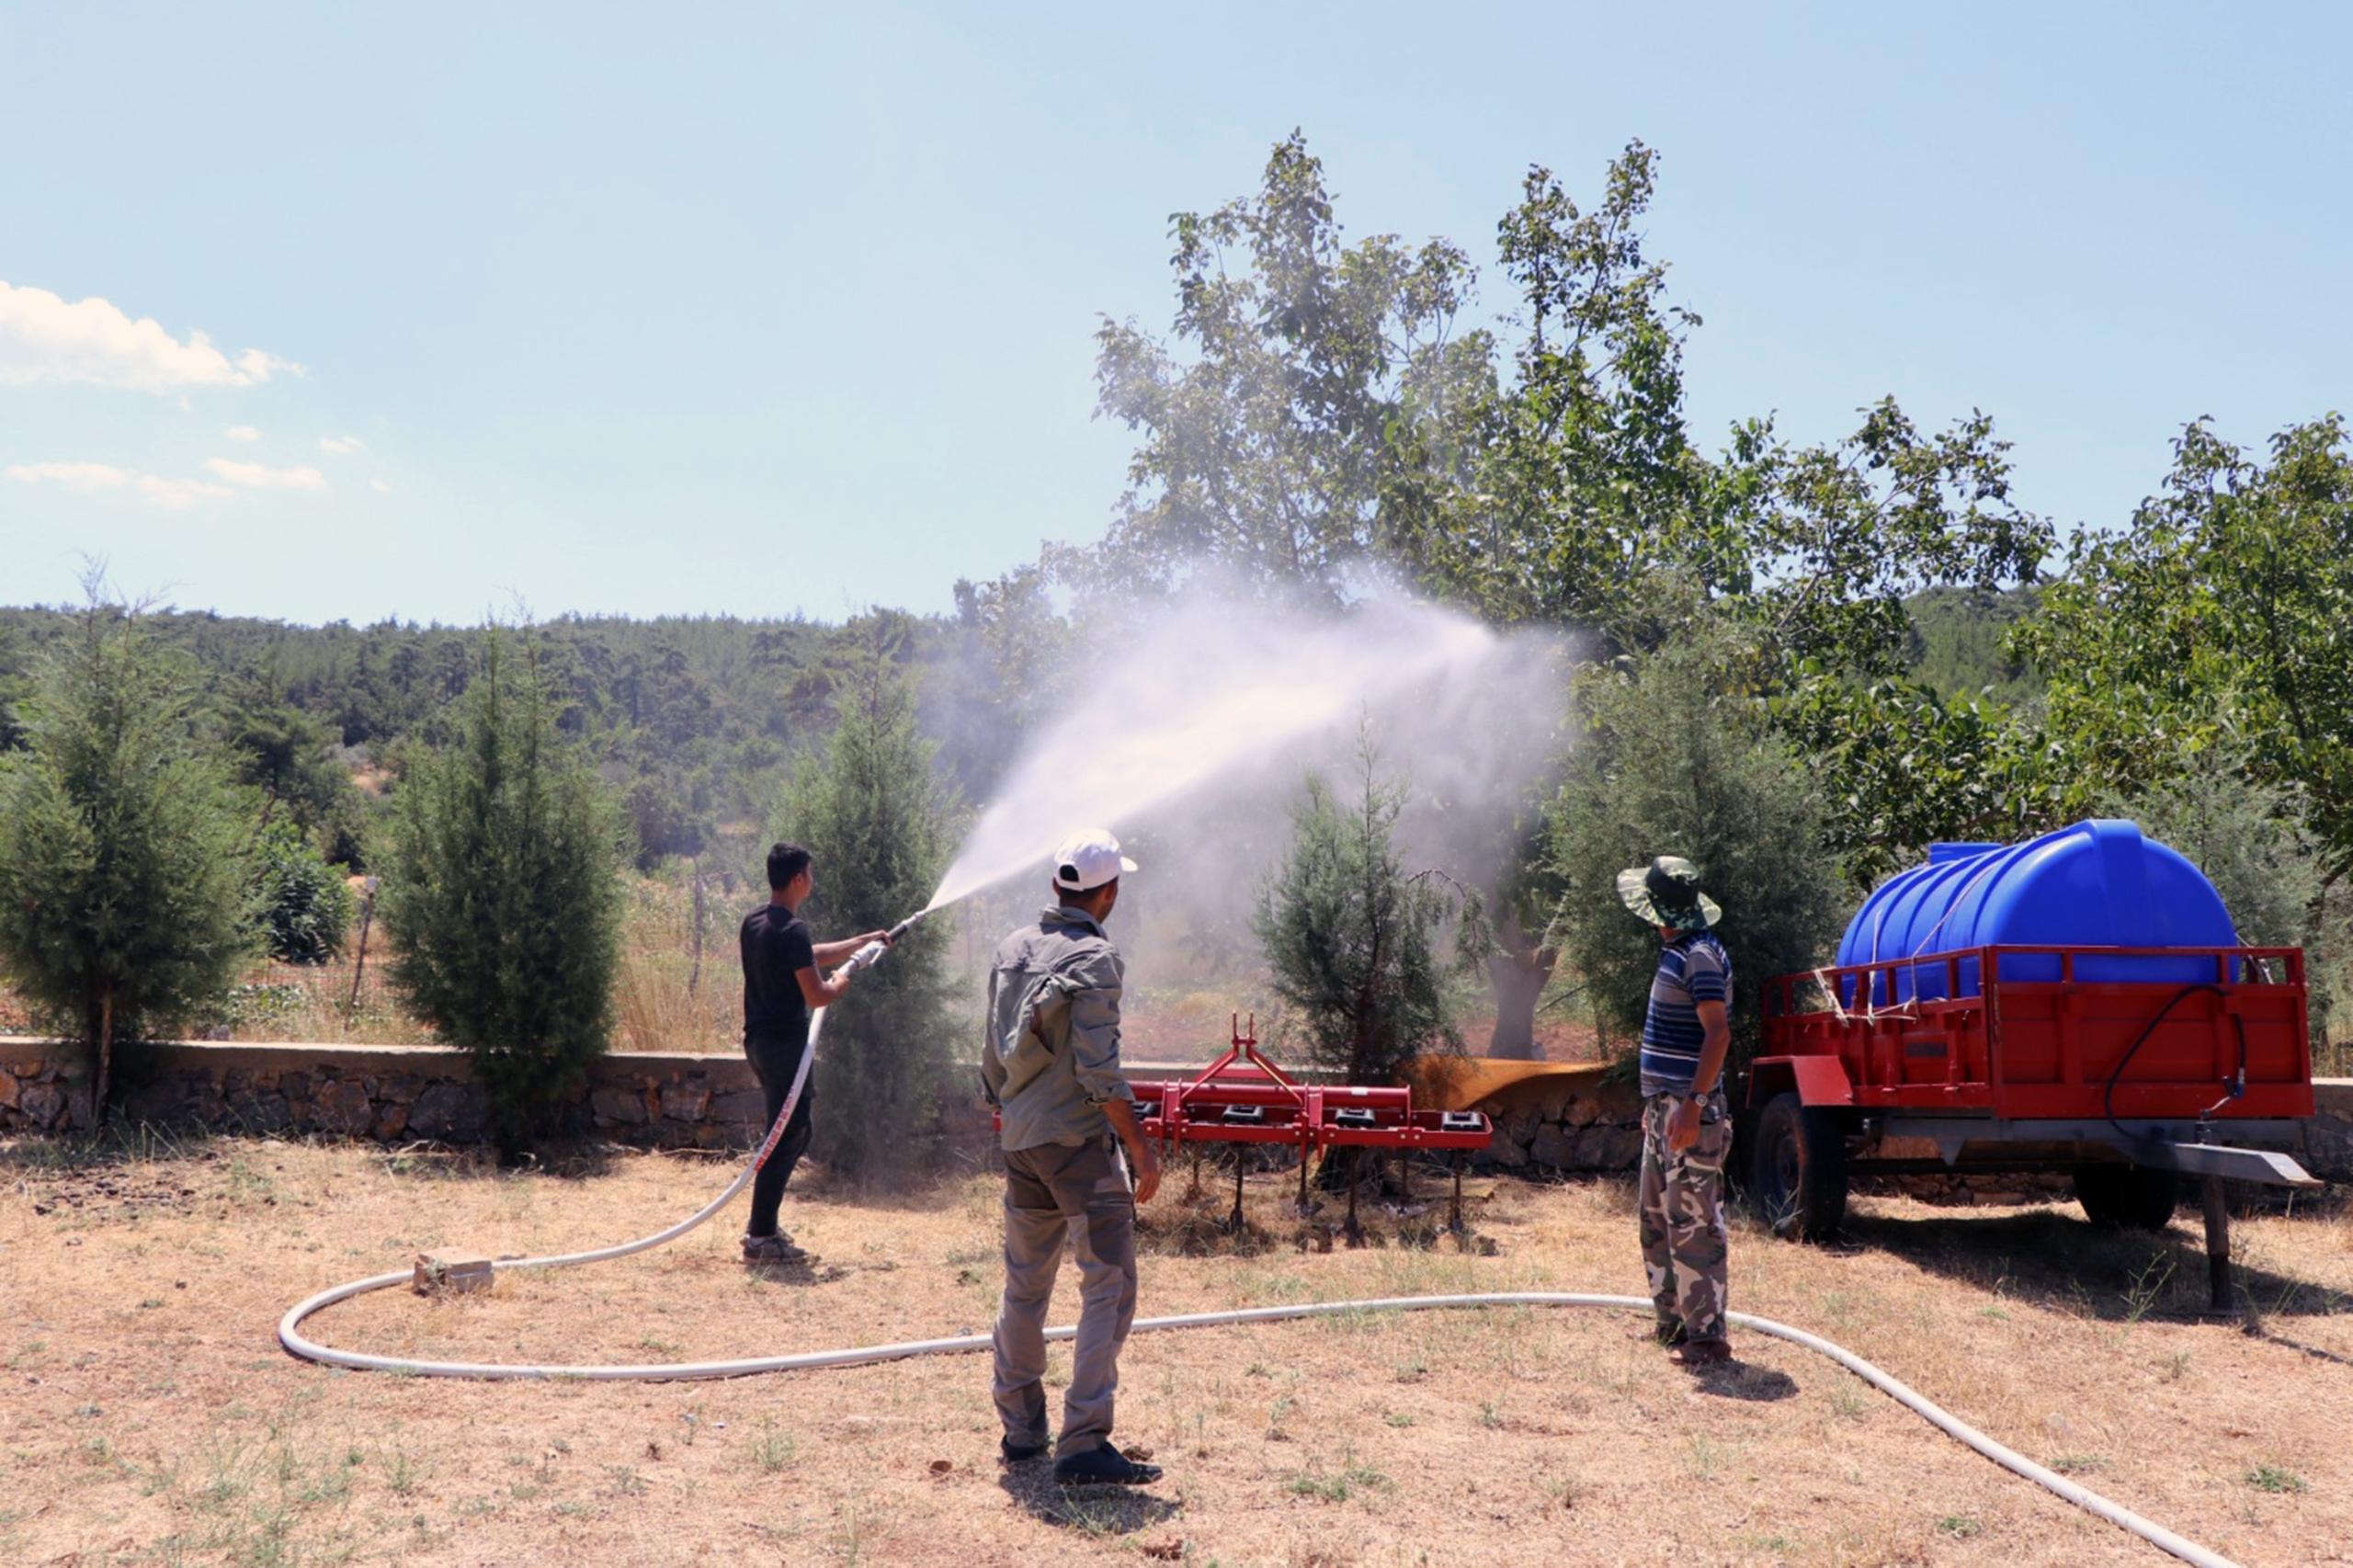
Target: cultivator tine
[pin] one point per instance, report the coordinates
(1355, 1231)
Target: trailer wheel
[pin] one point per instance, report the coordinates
(1798, 1173)
(2127, 1197)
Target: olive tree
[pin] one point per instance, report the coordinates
(1670, 764)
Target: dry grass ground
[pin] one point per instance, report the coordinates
(150, 1418)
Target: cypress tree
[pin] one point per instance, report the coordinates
(1357, 942)
(124, 874)
(871, 810)
(502, 897)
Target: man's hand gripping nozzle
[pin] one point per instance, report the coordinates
(871, 954)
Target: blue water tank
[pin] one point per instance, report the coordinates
(2099, 884)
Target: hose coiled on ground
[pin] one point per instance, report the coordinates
(290, 1336)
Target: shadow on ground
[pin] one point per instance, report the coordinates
(811, 1270)
(1086, 1510)
(2052, 1258)
(1739, 1380)
(2314, 1351)
(131, 1144)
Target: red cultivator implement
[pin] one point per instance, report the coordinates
(1242, 1098)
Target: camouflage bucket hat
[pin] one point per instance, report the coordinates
(1666, 893)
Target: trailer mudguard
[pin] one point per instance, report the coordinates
(1815, 1079)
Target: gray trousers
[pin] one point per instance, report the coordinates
(1052, 1192)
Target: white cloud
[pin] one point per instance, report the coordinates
(89, 479)
(257, 476)
(379, 487)
(339, 445)
(85, 479)
(175, 493)
(44, 337)
(242, 433)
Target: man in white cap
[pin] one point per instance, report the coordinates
(1051, 1067)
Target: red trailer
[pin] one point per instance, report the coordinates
(2125, 1066)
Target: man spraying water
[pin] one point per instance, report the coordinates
(784, 981)
(1051, 1067)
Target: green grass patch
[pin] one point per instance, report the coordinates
(2272, 1478)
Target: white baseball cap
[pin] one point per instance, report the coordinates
(1088, 859)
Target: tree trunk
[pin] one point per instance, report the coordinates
(694, 975)
(1519, 972)
(102, 1083)
(360, 963)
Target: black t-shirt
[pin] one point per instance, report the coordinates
(777, 947)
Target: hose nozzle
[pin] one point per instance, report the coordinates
(871, 954)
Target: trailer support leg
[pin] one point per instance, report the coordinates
(1193, 1186)
(1234, 1220)
(2218, 1244)
(1306, 1152)
(1454, 1212)
(1356, 1179)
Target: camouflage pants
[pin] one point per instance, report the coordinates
(1684, 1245)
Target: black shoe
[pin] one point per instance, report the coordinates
(1670, 1333)
(778, 1248)
(1012, 1452)
(1698, 1355)
(1103, 1466)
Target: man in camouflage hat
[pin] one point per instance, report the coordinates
(1686, 1125)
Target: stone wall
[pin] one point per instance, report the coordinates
(2329, 1137)
(390, 1094)
(1548, 1118)
(35, 1095)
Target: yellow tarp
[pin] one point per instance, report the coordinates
(1465, 1083)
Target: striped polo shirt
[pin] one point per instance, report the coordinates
(1691, 969)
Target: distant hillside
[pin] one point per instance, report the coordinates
(1956, 636)
(692, 720)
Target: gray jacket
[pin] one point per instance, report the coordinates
(1053, 1054)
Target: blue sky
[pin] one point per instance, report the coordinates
(760, 310)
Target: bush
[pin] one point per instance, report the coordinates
(661, 817)
(1354, 940)
(123, 851)
(872, 812)
(293, 760)
(305, 905)
(502, 898)
(1670, 765)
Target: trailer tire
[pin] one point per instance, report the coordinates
(2127, 1197)
(1798, 1173)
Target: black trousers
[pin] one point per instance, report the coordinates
(776, 1062)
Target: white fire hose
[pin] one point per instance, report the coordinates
(290, 1335)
